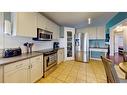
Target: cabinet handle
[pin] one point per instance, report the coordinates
(31, 65)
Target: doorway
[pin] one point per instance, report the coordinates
(118, 37)
(118, 45)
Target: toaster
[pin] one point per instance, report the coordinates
(11, 52)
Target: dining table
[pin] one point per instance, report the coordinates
(123, 67)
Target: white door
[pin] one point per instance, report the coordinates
(69, 45)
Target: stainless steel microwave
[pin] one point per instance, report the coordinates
(44, 35)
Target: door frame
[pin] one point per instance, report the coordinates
(112, 37)
(65, 35)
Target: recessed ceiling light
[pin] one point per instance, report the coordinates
(89, 20)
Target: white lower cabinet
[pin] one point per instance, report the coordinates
(26, 71)
(36, 68)
(1, 74)
(60, 56)
(16, 72)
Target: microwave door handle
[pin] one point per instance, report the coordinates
(51, 36)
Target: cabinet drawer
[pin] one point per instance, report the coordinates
(16, 65)
(37, 59)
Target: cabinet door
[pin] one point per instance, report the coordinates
(41, 21)
(17, 73)
(92, 32)
(62, 55)
(1, 74)
(56, 31)
(101, 32)
(25, 24)
(42, 72)
(16, 76)
(58, 57)
(36, 68)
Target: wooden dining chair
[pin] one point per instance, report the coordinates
(125, 56)
(111, 74)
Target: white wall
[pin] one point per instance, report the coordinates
(1, 31)
(125, 38)
(13, 42)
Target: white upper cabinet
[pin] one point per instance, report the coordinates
(101, 32)
(92, 32)
(46, 24)
(41, 21)
(25, 24)
(52, 27)
(56, 31)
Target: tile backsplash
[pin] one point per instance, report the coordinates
(1, 50)
(14, 42)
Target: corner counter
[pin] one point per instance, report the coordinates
(97, 52)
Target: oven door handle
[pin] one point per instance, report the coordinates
(47, 61)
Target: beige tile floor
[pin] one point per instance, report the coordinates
(78, 72)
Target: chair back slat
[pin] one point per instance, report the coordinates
(110, 71)
(125, 56)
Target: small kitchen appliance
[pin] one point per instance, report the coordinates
(11, 52)
(55, 45)
(43, 35)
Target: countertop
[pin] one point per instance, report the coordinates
(4, 61)
(99, 47)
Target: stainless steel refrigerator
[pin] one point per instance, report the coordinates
(82, 47)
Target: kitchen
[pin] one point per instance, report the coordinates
(50, 48)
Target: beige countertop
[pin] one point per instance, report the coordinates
(4, 61)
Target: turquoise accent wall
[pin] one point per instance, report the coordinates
(115, 20)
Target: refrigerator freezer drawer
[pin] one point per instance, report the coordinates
(82, 56)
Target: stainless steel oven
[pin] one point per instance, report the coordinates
(50, 62)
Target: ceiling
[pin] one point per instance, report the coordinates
(79, 19)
